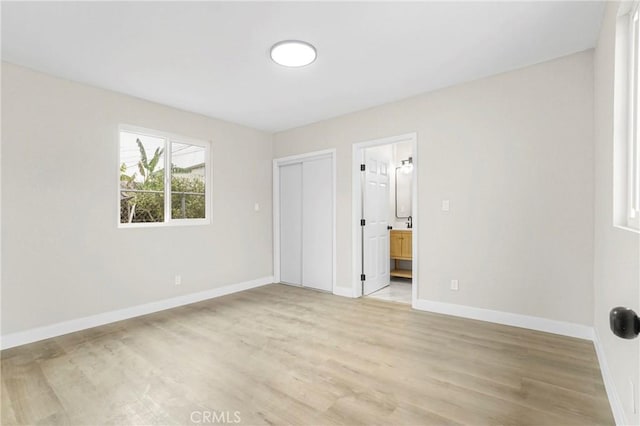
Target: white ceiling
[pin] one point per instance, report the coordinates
(212, 58)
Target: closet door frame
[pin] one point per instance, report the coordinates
(327, 153)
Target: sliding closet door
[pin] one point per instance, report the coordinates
(291, 224)
(317, 223)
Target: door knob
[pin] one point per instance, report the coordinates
(624, 322)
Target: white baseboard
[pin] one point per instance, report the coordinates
(507, 318)
(58, 329)
(343, 291)
(610, 386)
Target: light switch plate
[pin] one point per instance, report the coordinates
(454, 285)
(445, 205)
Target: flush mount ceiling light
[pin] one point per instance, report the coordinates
(293, 53)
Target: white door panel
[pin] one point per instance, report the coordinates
(376, 234)
(317, 224)
(306, 223)
(291, 224)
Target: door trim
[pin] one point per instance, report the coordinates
(292, 159)
(356, 205)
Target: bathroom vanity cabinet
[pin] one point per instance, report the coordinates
(401, 243)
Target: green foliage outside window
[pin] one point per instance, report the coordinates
(144, 202)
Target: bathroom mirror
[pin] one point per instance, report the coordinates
(404, 177)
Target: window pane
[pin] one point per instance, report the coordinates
(187, 181)
(141, 178)
(635, 143)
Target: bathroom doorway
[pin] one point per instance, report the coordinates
(385, 201)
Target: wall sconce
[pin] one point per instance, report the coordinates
(407, 165)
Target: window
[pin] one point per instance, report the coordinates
(163, 179)
(626, 123)
(633, 150)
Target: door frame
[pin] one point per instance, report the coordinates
(292, 159)
(356, 208)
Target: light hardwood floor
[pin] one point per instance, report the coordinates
(285, 355)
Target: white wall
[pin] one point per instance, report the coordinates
(514, 154)
(64, 257)
(617, 251)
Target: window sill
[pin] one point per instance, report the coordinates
(627, 228)
(171, 224)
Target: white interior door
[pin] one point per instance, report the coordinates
(376, 215)
(317, 224)
(291, 224)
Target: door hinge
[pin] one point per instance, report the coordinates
(363, 277)
(362, 167)
(363, 222)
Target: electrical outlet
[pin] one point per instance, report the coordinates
(454, 285)
(178, 280)
(256, 207)
(445, 205)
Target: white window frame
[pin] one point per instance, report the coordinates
(169, 138)
(633, 147)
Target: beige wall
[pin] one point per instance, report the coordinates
(617, 251)
(64, 257)
(514, 155)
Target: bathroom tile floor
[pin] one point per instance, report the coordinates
(398, 291)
